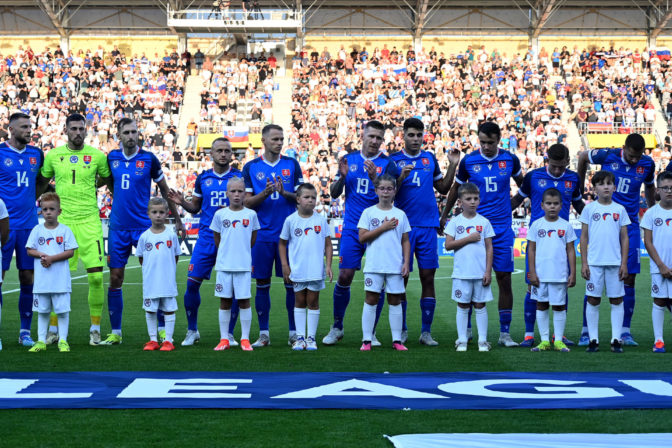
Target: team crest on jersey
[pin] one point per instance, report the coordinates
(148, 303)
(379, 169)
(226, 223)
(59, 240)
(87, 159)
(541, 233)
(298, 232)
(640, 170)
(614, 166)
(502, 165)
(655, 289)
(425, 161)
(568, 184)
(479, 229)
(459, 229)
(208, 182)
(169, 244)
(401, 164)
(190, 268)
(33, 161)
(8, 162)
(139, 165)
(246, 222)
(561, 233)
(317, 229)
(458, 293)
(74, 159)
(477, 168)
(590, 287)
(616, 216)
(260, 175)
(285, 173)
(658, 222)
(41, 241)
(148, 247)
(353, 168)
(115, 164)
(375, 222)
(596, 216)
(542, 183)
(368, 281)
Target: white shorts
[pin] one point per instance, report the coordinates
(555, 293)
(230, 284)
(56, 302)
(315, 285)
(165, 304)
(601, 276)
(392, 283)
(661, 287)
(471, 290)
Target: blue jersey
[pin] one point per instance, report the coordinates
(629, 178)
(18, 174)
(669, 167)
(132, 178)
(360, 193)
(493, 178)
(416, 195)
(275, 208)
(211, 188)
(537, 181)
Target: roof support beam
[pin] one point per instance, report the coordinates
(420, 16)
(57, 18)
(660, 23)
(542, 12)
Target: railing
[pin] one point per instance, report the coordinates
(615, 128)
(232, 16)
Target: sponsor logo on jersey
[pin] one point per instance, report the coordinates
(667, 221)
(470, 228)
(368, 281)
(614, 166)
(655, 289)
(542, 183)
(458, 293)
(208, 182)
(459, 229)
(353, 168)
(542, 233)
(49, 240)
(148, 247)
(8, 162)
(226, 223)
(658, 222)
(158, 245)
(477, 168)
(74, 159)
(87, 159)
(640, 170)
(245, 222)
(298, 232)
(260, 175)
(40, 241)
(596, 216)
(375, 222)
(590, 287)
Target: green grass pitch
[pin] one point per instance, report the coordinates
(336, 428)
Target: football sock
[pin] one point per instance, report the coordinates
(63, 323)
(313, 320)
(262, 303)
(192, 300)
(593, 320)
(300, 321)
(658, 318)
(224, 317)
(245, 322)
(170, 326)
(427, 306)
(151, 326)
(461, 321)
(504, 321)
(161, 320)
(482, 324)
(53, 323)
(559, 321)
(289, 304)
(42, 326)
(617, 312)
(96, 296)
(26, 306)
(404, 305)
(543, 323)
(368, 319)
(341, 301)
(584, 328)
(628, 307)
(379, 309)
(235, 309)
(115, 307)
(530, 310)
(396, 321)
(471, 310)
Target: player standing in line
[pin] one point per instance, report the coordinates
(270, 183)
(19, 166)
(133, 170)
(470, 236)
(74, 167)
(235, 232)
(4, 235)
(51, 244)
(604, 264)
(384, 230)
(631, 169)
(657, 225)
(209, 196)
(357, 172)
(158, 250)
(308, 236)
(554, 175)
(492, 169)
(552, 267)
(420, 175)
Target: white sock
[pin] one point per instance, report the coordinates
(246, 322)
(529, 334)
(117, 332)
(224, 319)
(481, 323)
(368, 320)
(584, 330)
(152, 321)
(42, 326)
(300, 322)
(625, 329)
(313, 320)
(95, 328)
(559, 320)
(169, 319)
(53, 329)
(617, 312)
(658, 318)
(262, 332)
(461, 319)
(396, 321)
(593, 320)
(542, 324)
(63, 322)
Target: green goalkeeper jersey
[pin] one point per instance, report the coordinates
(75, 175)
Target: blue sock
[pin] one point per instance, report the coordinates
(341, 301)
(585, 302)
(262, 303)
(235, 310)
(427, 305)
(530, 310)
(26, 306)
(192, 300)
(289, 304)
(471, 310)
(628, 305)
(379, 309)
(504, 321)
(160, 319)
(115, 307)
(404, 305)
(0, 297)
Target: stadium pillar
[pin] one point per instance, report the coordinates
(533, 44)
(65, 44)
(417, 44)
(181, 43)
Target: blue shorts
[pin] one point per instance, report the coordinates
(119, 246)
(424, 244)
(351, 250)
(633, 248)
(204, 256)
(17, 241)
(502, 251)
(264, 254)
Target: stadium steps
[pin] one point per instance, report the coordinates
(191, 107)
(282, 99)
(660, 125)
(574, 141)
